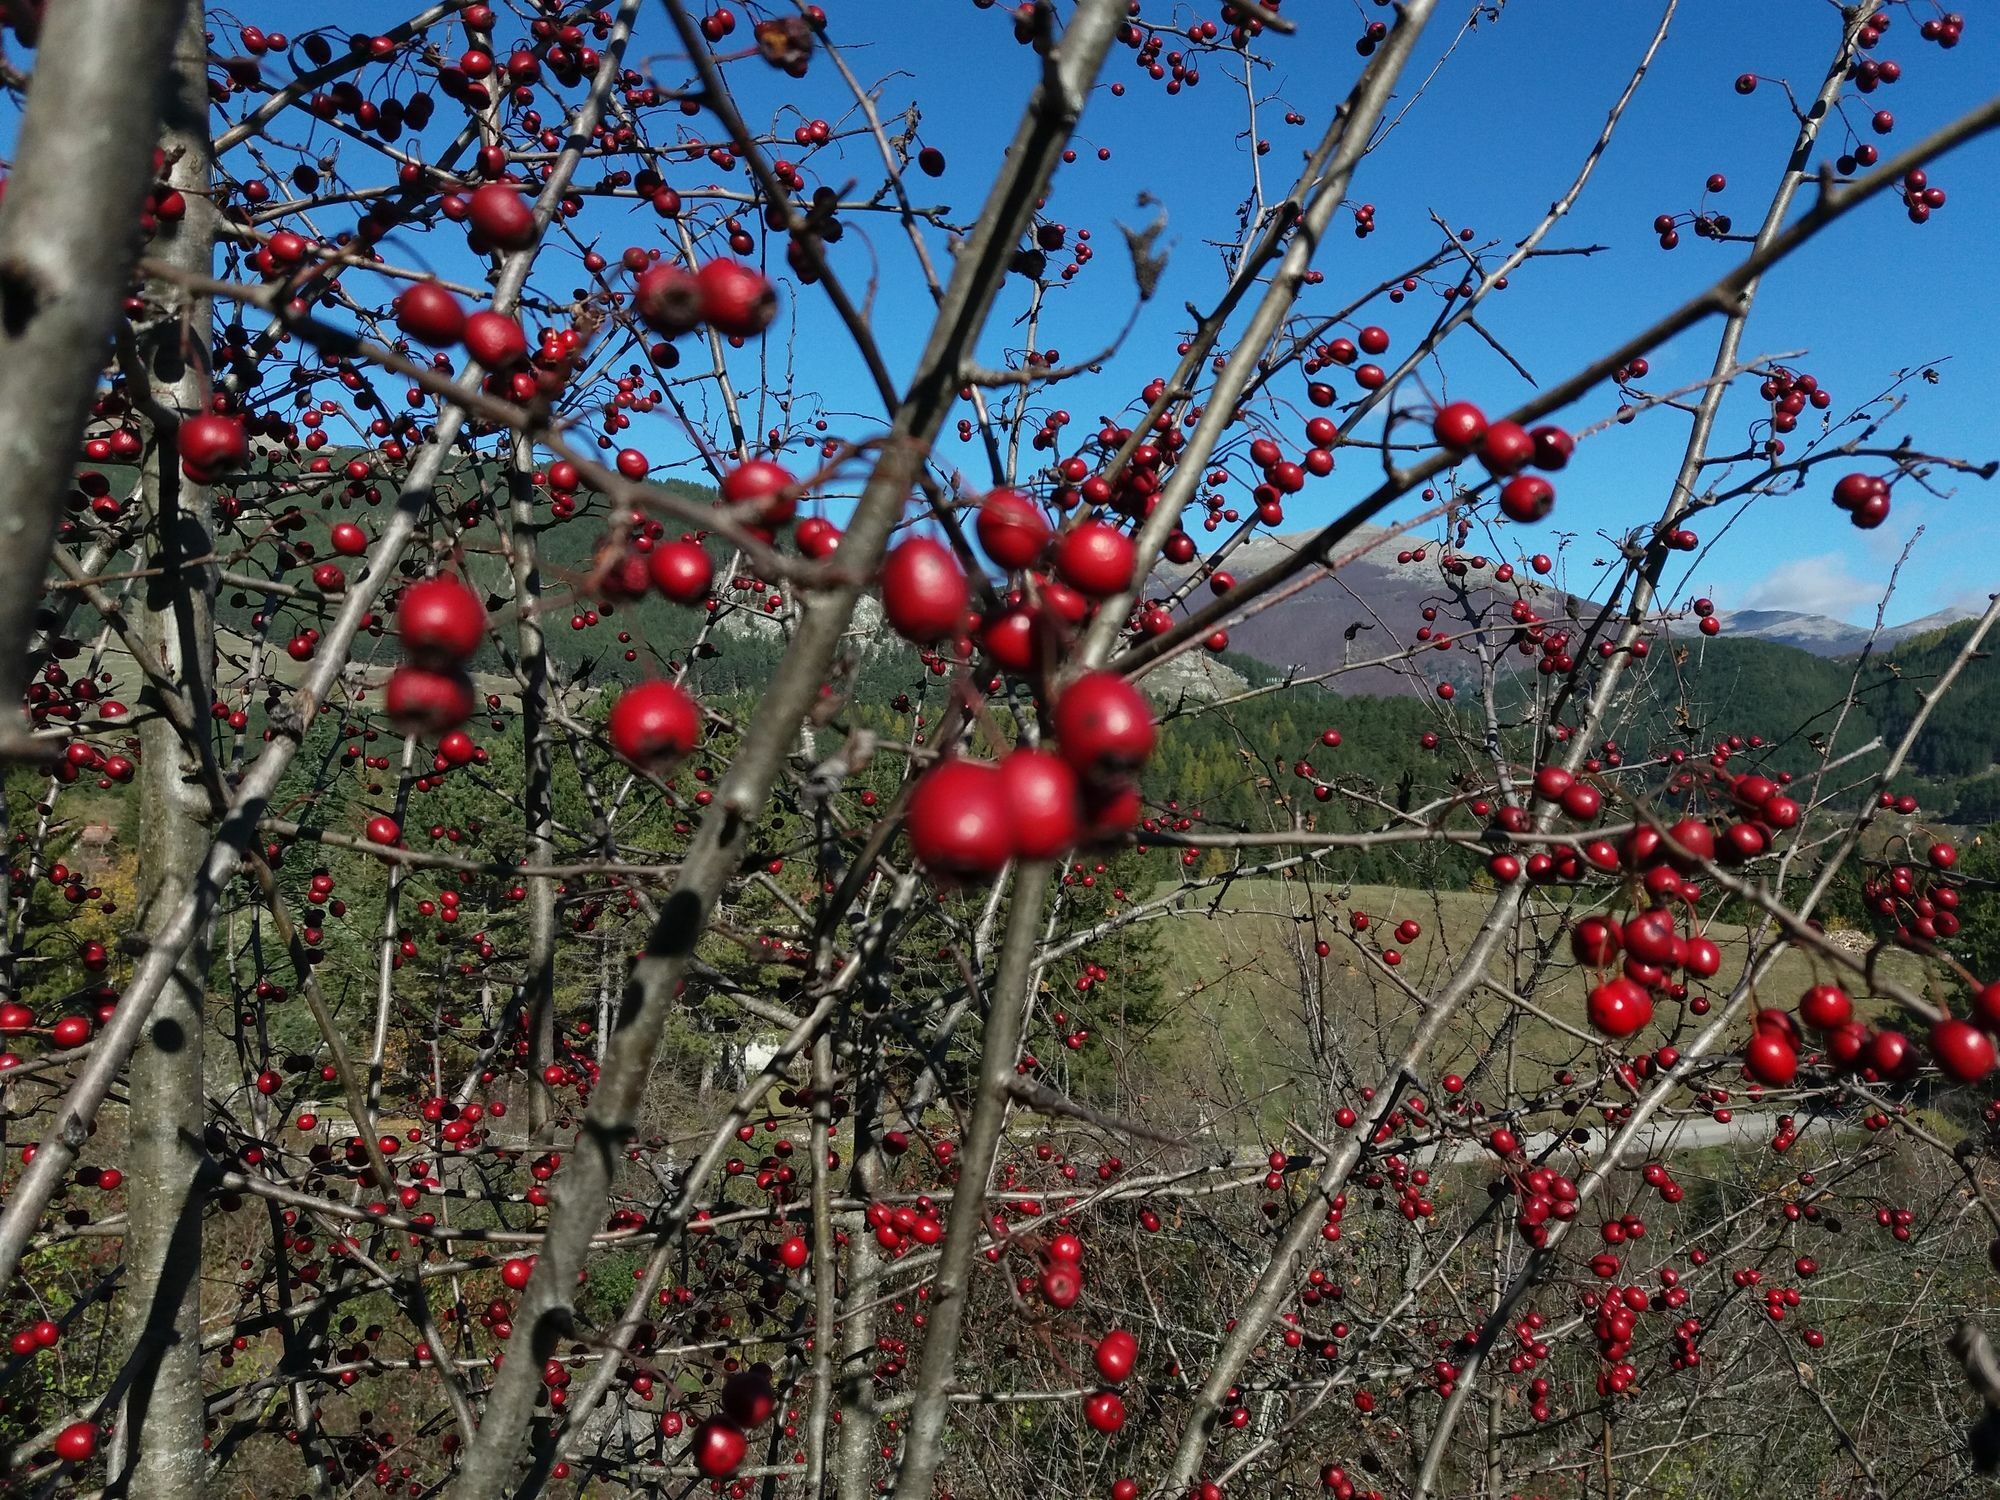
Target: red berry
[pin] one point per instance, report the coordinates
(654, 724)
(1649, 937)
(1619, 1007)
(421, 701)
(748, 1397)
(1095, 559)
(668, 298)
(76, 1442)
(1012, 529)
(495, 340)
(1553, 447)
(1506, 448)
(1891, 1055)
(1104, 725)
(1459, 426)
(736, 300)
(719, 1447)
(681, 570)
(1826, 1007)
(441, 622)
(1041, 794)
(212, 445)
(924, 591)
(1115, 1353)
(1104, 1410)
(1962, 1050)
(817, 537)
(762, 493)
(1770, 1058)
(1595, 941)
(502, 216)
(1527, 498)
(430, 314)
(958, 818)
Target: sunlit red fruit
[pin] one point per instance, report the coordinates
(430, 314)
(1012, 529)
(424, 702)
(1104, 1410)
(212, 445)
(654, 724)
(736, 300)
(924, 590)
(495, 340)
(76, 1442)
(1103, 726)
(1096, 559)
(719, 1447)
(502, 216)
(1115, 1354)
(441, 622)
(1459, 426)
(959, 820)
(682, 571)
(1042, 794)
(1962, 1050)
(1770, 1057)
(1619, 1007)
(762, 493)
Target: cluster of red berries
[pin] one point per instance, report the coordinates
(441, 623)
(970, 817)
(1505, 449)
(1946, 30)
(1920, 900)
(1962, 1049)
(1706, 226)
(1790, 392)
(1176, 69)
(1544, 1192)
(1920, 197)
(722, 1442)
(1865, 498)
(1344, 351)
(1114, 1357)
(899, 1226)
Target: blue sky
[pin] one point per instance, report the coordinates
(1508, 111)
(1498, 133)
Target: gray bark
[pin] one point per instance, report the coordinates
(69, 237)
(159, 1448)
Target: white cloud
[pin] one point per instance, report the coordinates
(1818, 585)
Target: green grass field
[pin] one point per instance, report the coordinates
(1262, 1016)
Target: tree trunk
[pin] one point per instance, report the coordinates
(159, 1453)
(68, 238)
